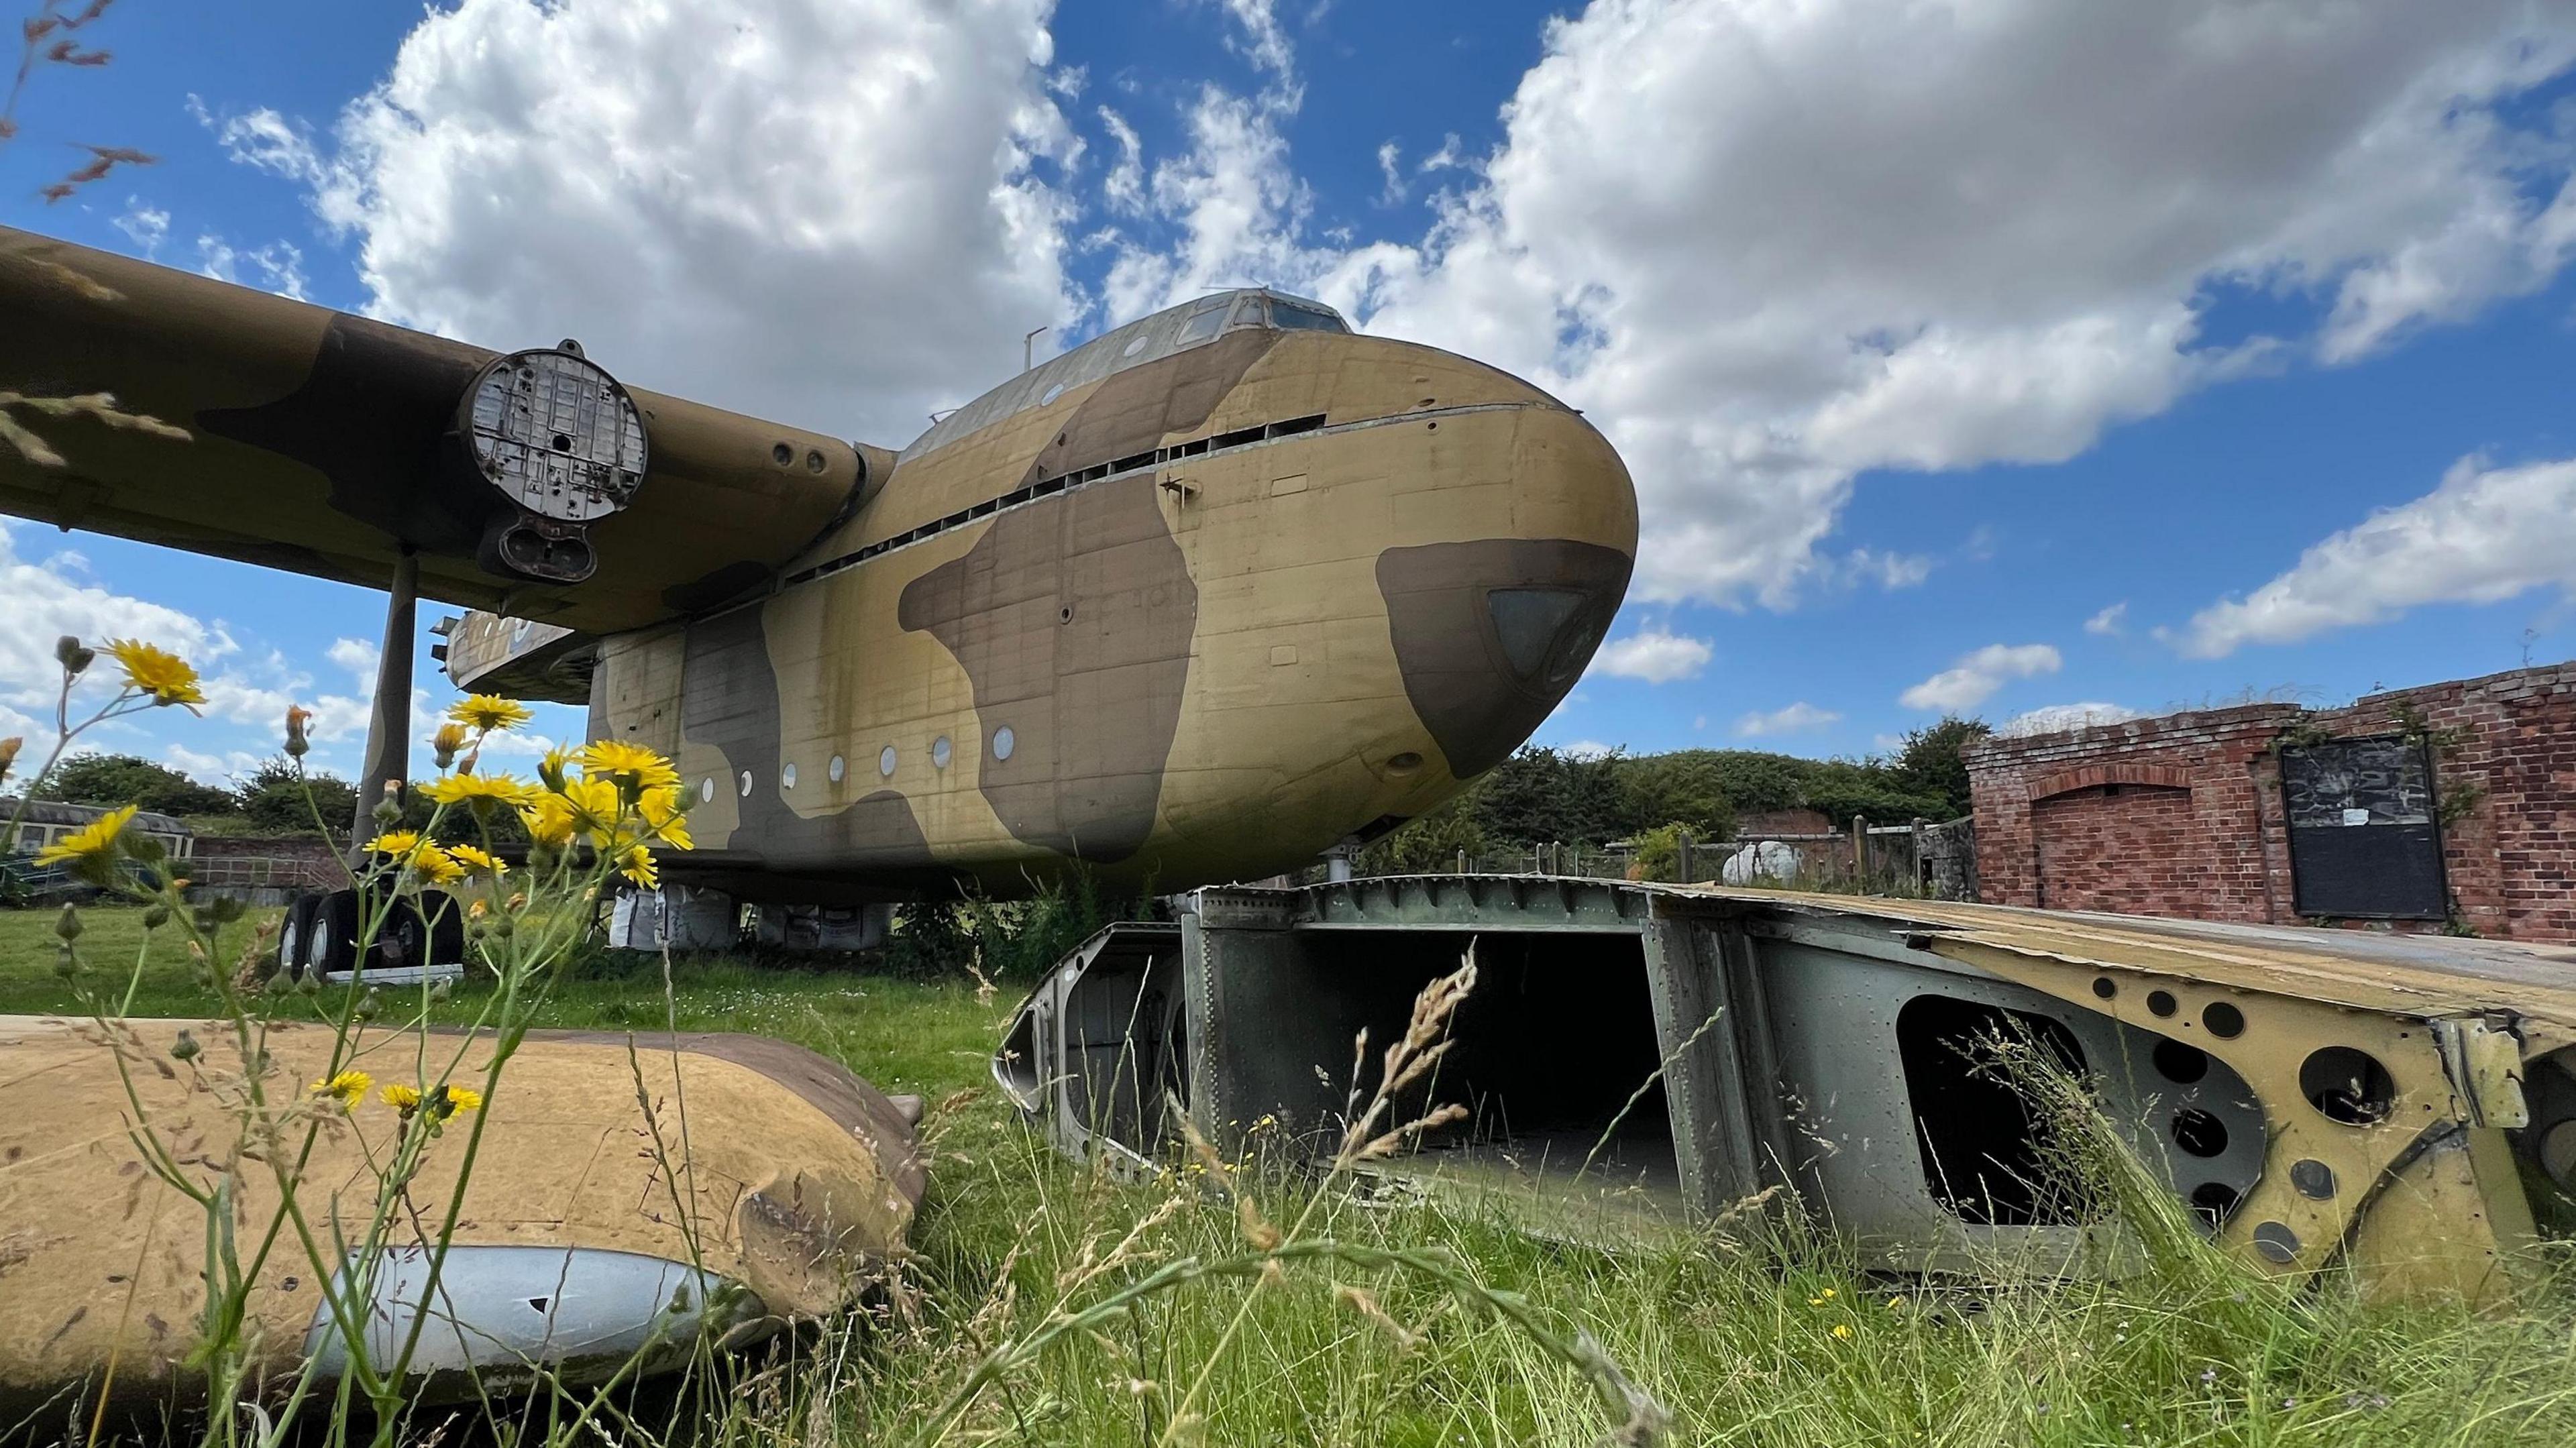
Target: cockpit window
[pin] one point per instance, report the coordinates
(1203, 324)
(1288, 316)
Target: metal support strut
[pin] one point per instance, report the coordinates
(388, 758)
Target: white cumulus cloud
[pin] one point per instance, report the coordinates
(839, 215)
(1967, 683)
(2001, 238)
(1657, 656)
(2484, 535)
(1793, 719)
(2109, 621)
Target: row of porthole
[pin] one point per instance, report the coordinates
(941, 752)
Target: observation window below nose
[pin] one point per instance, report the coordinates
(1526, 620)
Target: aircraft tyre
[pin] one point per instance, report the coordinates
(408, 936)
(331, 934)
(295, 936)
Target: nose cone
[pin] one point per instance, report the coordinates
(1491, 632)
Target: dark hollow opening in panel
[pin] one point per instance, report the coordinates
(1984, 1156)
(2347, 1085)
(1124, 1029)
(1548, 1050)
(2213, 1201)
(2179, 1063)
(2198, 1132)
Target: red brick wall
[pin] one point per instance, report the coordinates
(2130, 848)
(307, 860)
(2195, 826)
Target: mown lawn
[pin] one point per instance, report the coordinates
(1748, 1339)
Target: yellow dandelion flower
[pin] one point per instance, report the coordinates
(549, 821)
(489, 712)
(594, 806)
(637, 865)
(401, 844)
(630, 766)
(550, 770)
(478, 862)
(665, 818)
(460, 1098)
(405, 1099)
(92, 843)
(349, 1088)
(480, 791)
(435, 866)
(1843, 1331)
(168, 678)
(447, 743)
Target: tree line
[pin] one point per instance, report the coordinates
(1543, 795)
(268, 800)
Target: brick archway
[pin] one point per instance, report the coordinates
(2093, 776)
(2125, 844)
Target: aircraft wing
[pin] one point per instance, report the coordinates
(531, 484)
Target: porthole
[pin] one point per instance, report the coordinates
(885, 762)
(746, 784)
(707, 790)
(1004, 741)
(2277, 1243)
(787, 776)
(836, 769)
(2314, 1179)
(1135, 345)
(939, 752)
(1051, 394)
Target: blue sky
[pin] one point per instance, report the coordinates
(1999, 355)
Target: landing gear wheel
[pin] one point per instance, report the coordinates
(332, 937)
(295, 936)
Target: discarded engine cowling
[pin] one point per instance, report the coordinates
(1637, 1058)
(564, 446)
(581, 1249)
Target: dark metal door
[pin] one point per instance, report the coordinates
(2365, 837)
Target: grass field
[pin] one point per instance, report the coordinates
(1777, 1344)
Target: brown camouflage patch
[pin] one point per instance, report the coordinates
(1133, 411)
(370, 417)
(1072, 620)
(729, 699)
(1478, 704)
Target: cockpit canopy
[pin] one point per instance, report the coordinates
(1147, 339)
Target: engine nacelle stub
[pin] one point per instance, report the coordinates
(563, 445)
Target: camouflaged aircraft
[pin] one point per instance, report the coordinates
(1206, 596)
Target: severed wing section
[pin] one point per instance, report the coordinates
(284, 434)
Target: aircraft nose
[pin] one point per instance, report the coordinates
(1491, 632)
